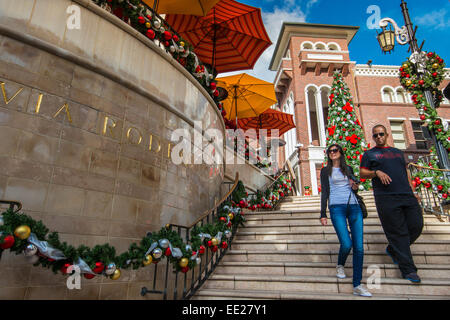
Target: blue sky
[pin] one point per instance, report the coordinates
(432, 17)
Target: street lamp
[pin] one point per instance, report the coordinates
(406, 35)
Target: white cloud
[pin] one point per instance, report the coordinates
(438, 19)
(273, 22)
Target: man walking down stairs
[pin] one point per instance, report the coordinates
(288, 254)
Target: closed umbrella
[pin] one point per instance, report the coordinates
(194, 7)
(230, 37)
(247, 96)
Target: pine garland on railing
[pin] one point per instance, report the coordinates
(22, 234)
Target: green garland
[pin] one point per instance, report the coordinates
(229, 217)
(416, 85)
(433, 180)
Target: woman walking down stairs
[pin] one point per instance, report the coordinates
(288, 254)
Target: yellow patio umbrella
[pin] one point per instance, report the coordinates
(247, 96)
(192, 7)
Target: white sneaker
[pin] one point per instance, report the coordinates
(340, 272)
(361, 291)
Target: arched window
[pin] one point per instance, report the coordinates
(401, 95)
(333, 47)
(307, 45)
(320, 46)
(388, 95)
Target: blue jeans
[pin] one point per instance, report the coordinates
(339, 216)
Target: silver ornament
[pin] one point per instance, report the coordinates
(32, 259)
(227, 234)
(162, 29)
(157, 24)
(164, 243)
(188, 247)
(172, 49)
(361, 188)
(110, 268)
(198, 261)
(157, 253)
(30, 250)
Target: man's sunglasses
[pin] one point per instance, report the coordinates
(375, 135)
(333, 150)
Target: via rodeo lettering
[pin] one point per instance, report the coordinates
(108, 125)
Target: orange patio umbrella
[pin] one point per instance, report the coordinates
(194, 7)
(230, 37)
(269, 119)
(247, 96)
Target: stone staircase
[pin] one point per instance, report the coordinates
(287, 254)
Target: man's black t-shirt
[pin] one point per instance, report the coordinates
(392, 162)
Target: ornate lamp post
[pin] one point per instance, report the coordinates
(406, 35)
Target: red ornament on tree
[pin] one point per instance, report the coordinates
(185, 269)
(99, 266)
(214, 248)
(150, 34)
(201, 250)
(141, 20)
(8, 242)
(168, 252)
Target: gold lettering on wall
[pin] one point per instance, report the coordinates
(128, 135)
(38, 104)
(66, 107)
(109, 127)
(2, 84)
(151, 143)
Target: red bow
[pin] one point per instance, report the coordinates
(348, 107)
(353, 139)
(331, 130)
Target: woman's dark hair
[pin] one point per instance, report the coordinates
(342, 162)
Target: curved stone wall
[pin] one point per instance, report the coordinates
(86, 118)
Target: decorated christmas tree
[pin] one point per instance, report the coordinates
(344, 128)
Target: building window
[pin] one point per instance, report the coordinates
(401, 96)
(320, 46)
(421, 143)
(398, 134)
(307, 46)
(388, 95)
(333, 47)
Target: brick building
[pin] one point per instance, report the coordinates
(305, 57)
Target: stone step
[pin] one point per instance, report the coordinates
(372, 257)
(330, 234)
(307, 213)
(318, 284)
(223, 294)
(333, 245)
(428, 271)
(255, 220)
(316, 226)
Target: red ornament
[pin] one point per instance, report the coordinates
(88, 275)
(421, 82)
(435, 74)
(223, 219)
(224, 245)
(201, 250)
(437, 122)
(99, 266)
(209, 243)
(168, 252)
(440, 187)
(213, 86)
(445, 196)
(185, 269)
(214, 249)
(65, 267)
(422, 117)
(150, 34)
(141, 20)
(8, 242)
(167, 35)
(175, 38)
(167, 43)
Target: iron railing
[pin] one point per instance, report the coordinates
(429, 198)
(195, 278)
(12, 204)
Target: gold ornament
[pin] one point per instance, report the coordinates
(435, 65)
(405, 65)
(214, 241)
(116, 275)
(148, 25)
(408, 82)
(168, 226)
(183, 262)
(182, 43)
(231, 215)
(147, 260)
(22, 232)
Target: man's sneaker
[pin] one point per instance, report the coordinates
(340, 272)
(361, 291)
(389, 253)
(413, 277)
